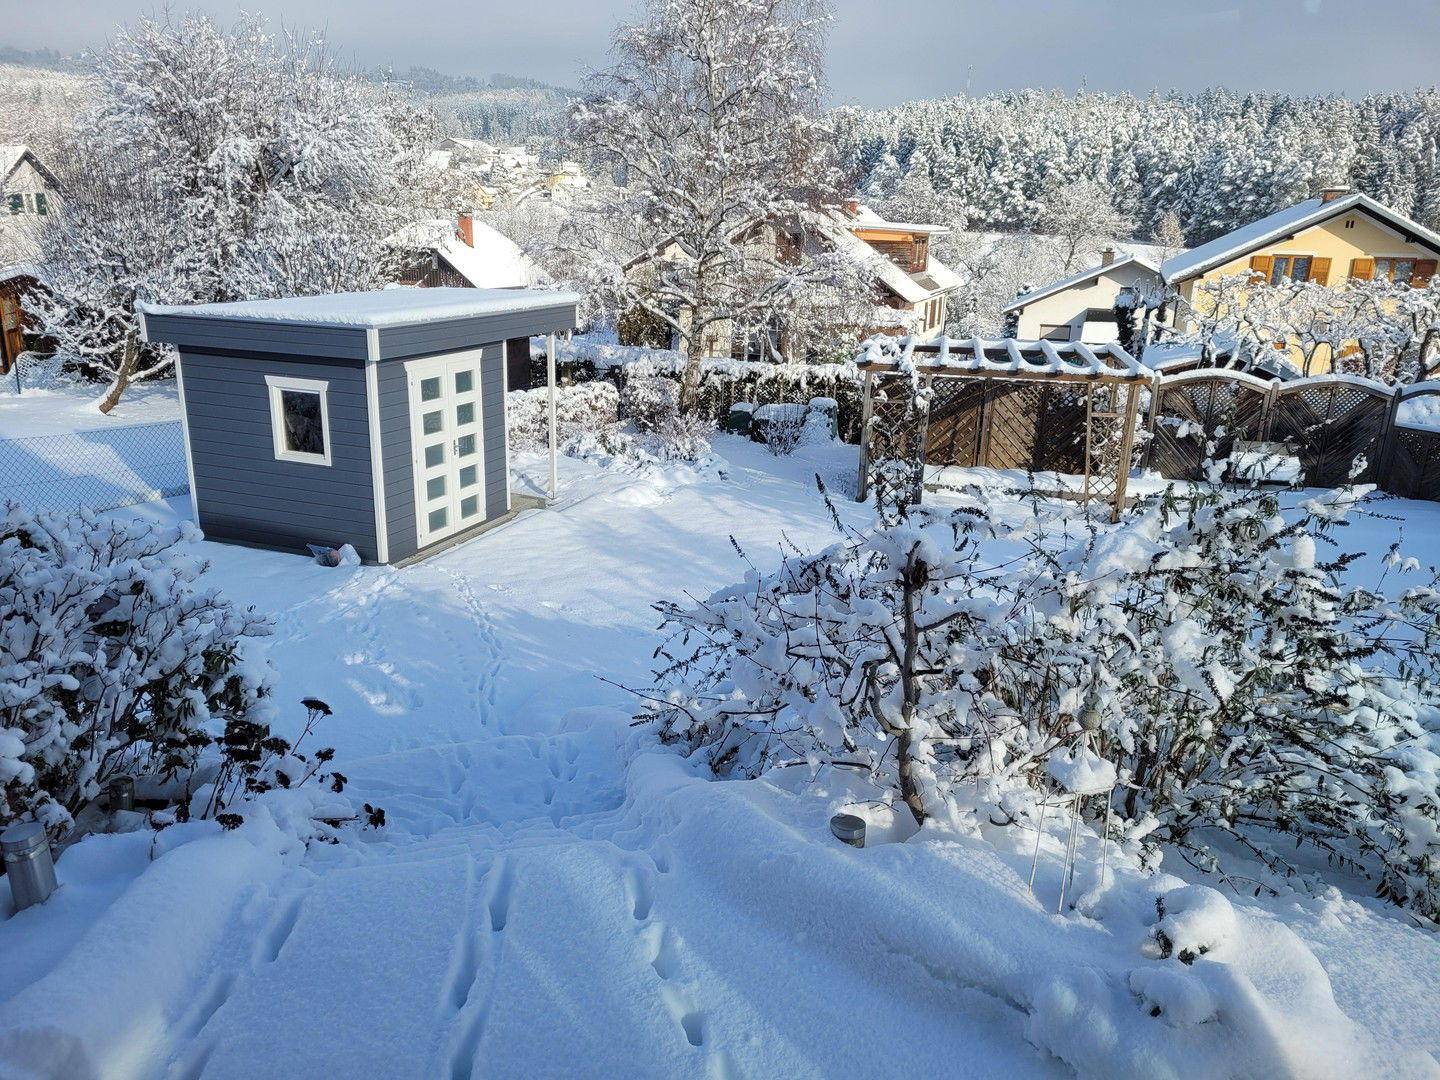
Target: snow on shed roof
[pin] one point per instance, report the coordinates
(1285, 223)
(1030, 297)
(389, 307)
(1004, 356)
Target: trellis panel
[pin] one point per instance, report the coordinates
(1331, 425)
(1191, 413)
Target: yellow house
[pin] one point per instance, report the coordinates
(1337, 237)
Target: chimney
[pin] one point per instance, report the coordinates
(1107, 256)
(465, 227)
(1330, 194)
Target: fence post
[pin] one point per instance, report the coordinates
(862, 489)
(1386, 464)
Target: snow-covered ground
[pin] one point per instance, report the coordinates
(59, 451)
(555, 895)
(70, 407)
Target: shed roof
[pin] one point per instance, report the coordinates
(374, 310)
(1286, 223)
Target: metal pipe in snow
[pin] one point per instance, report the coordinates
(554, 441)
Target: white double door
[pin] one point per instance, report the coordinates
(448, 439)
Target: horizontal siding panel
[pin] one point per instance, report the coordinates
(212, 434)
(314, 516)
(251, 336)
(454, 334)
(318, 525)
(213, 481)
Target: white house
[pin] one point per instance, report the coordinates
(26, 185)
(1081, 307)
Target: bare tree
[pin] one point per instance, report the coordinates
(1082, 217)
(711, 119)
(220, 165)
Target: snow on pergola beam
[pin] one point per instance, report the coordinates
(1004, 358)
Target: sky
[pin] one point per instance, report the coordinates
(881, 51)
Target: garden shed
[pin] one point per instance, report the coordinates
(375, 419)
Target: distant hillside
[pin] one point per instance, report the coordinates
(38, 104)
(503, 108)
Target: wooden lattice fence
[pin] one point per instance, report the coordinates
(1004, 405)
(1338, 429)
(1199, 415)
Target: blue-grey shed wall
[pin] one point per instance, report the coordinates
(242, 492)
(396, 450)
(492, 403)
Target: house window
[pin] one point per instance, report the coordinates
(300, 419)
(1401, 270)
(42, 204)
(1290, 268)
(17, 203)
(1055, 333)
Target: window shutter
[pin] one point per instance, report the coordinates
(1362, 269)
(1320, 271)
(1424, 271)
(1261, 265)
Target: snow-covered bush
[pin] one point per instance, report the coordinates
(652, 404)
(724, 382)
(112, 660)
(649, 401)
(1240, 686)
(780, 427)
(588, 407)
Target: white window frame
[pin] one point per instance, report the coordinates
(277, 383)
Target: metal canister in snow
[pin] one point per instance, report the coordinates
(849, 829)
(120, 793)
(27, 863)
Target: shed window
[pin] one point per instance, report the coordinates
(300, 419)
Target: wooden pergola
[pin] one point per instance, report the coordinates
(1061, 407)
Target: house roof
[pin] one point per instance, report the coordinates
(1286, 223)
(494, 262)
(1025, 299)
(839, 228)
(388, 307)
(12, 155)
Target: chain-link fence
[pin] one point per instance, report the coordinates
(99, 469)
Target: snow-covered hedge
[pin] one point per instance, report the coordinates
(587, 407)
(723, 382)
(1239, 685)
(112, 659)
